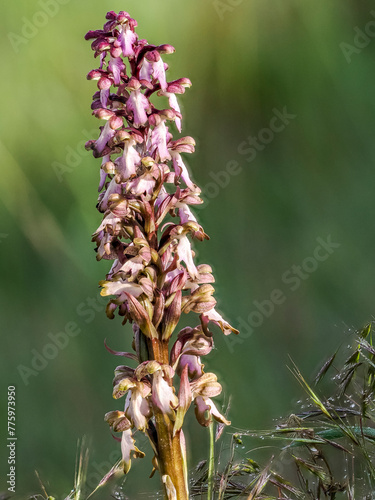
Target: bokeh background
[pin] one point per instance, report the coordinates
(313, 179)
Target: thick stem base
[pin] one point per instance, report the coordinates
(171, 458)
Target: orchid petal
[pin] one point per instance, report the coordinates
(127, 38)
(113, 188)
(116, 66)
(215, 413)
(142, 184)
(146, 71)
(159, 73)
(137, 408)
(172, 98)
(106, 134)
(216, 318)
(185, 254)
(200, 411)
(119, 287)
(153, 69)
(193, 363)
(185, 214)
(159, 141)
(126, 164)
(109, 220)
(138, 104)
(128, 449)
(163, 395)
(181, 170)
(104, 95)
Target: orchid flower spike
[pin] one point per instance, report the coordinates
(145, 196)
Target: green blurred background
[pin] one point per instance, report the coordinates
(313, 179)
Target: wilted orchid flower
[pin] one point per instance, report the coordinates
(145, 196)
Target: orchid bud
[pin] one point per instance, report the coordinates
(171, 316)
(116, 122)
(118, 421)
(104, 83)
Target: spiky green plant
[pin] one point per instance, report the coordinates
(327, 449)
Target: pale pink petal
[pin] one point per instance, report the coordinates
(195, 367)
(159, 73)
(106, 134)
(181, 170)
(116, 65)
(138, 104)
(103, 178)
(119, 287)
(104, 94)
(154, 69)
(113, 188)
(146, 71)
(116, 266)
(109, 220)
(127, 449)
(102, 58)
(215, 412)
(161, 196)
(185, 254)
(143, 184)
(216, 318)
(172, 274)
(206, 386)
(185, 213)
(132, 267)
(103, 175)
(127, 38)
(159, 141)
(162, 395)
(127, 163)
(200, 411)
(137, 408)
(174, 105)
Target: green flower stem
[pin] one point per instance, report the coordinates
(211, 463)
(170, 454)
